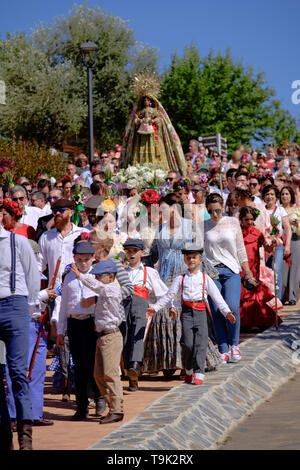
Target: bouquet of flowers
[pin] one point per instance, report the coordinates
(294, 217)
(141, 176)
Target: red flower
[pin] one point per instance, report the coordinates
(150, 196)
(13, 206)
(85, 236)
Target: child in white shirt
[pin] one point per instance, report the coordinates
(194, 287)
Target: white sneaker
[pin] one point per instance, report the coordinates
(224, 358)
(235, 353)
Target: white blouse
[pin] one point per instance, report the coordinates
(224, 243)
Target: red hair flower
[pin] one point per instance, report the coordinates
(151, 196)
(12, 206)
(182, 183)
(85, 236)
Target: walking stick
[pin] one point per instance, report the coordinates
(43, 322)
(275, 288)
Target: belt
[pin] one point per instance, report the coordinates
(195, 305)
(82, 317)
(141, 291)
(108, 332)
(220, 265)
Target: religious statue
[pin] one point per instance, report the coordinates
(149, 135)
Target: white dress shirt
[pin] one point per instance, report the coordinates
(154, 284)
(52, 246)
(31, 216)
(72, 294)
(27, 273)
(107, 310)
(192, 291)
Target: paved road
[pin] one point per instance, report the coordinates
(69, 435)
(275, 425)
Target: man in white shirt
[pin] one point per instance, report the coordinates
(30, 214)
(39, 200)
(58, 242)
(16, 293)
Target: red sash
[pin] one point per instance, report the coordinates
(142, 291)
(196, 305)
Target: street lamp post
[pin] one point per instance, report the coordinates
(89, 51)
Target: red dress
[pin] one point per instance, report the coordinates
(25, 230)
(254, 311)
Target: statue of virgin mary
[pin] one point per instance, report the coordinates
(149, 135)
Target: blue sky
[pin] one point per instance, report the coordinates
(261, 33)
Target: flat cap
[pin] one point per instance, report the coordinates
(134, 243)
(192, 248)
(104, 267)
(63, 203)
(93, 202)
(83, 248)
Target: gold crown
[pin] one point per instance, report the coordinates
(146, 84)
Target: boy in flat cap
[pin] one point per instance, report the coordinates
(194, 287)
(78, 320)
(145, 281)
(101, 280)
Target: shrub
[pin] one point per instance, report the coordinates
(30, 160)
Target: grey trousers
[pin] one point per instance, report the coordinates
(194, 339)
(136, 322)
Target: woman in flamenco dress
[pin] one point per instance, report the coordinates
(255, 309)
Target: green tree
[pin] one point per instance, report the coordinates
(118, 58)
(47, 82)
(218, 95)
(41, 100)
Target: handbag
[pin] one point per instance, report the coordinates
(249, 286)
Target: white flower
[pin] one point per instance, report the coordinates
(132, 183)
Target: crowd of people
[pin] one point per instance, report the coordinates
(139, 280)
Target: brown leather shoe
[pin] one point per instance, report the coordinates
(42, 422)
(111, 418)
(134, 371)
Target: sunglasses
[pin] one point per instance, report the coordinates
(216, 211)
(61, 210)
(52, 198)
(195, 191)
(16, 199)
(169, 179)
(253, 184)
